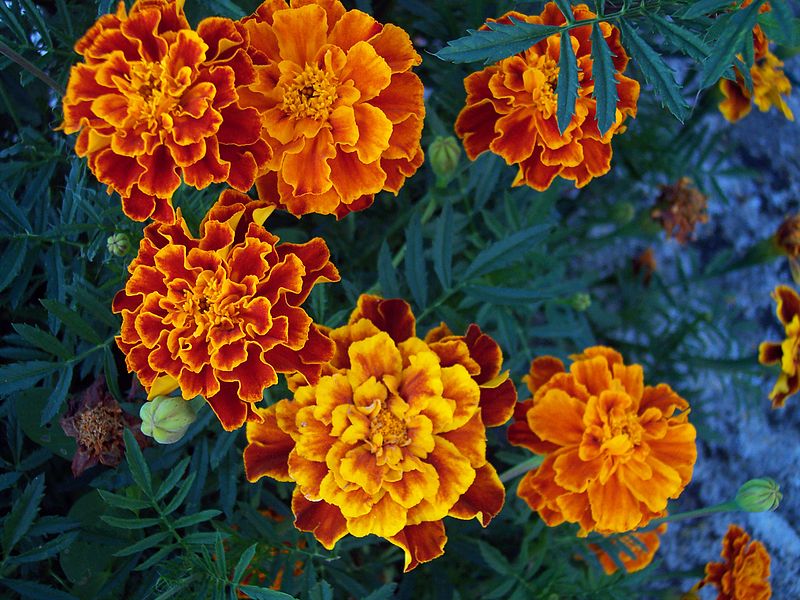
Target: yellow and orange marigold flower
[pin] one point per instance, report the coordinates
(393, 439)
(342, 109)
(744, 573)
(156, 102)
(220, 315)
(770, 83)
(511, 107)
(616, 450)
(634, 551)
(785, 353)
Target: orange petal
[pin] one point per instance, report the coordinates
(614, 507)
(542, 369)
(788, 303)
(308, 171)
(301, 31)
(385, 519)
(475, 126)
(354, 26)
(420, 543)
(368, 70)
(374, 131)
(558, 418)
(516, 132)
(324, 520)
(394, 45)
(352, 178)
(484, 498)
(268, 448)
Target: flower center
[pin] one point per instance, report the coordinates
(544, 91)
(208, 304)
(98, 428)
(627, 426)
(311, 94)
(387, 428)
(149, 81)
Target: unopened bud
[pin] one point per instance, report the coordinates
(759, 495)
(444, 153)
(166, 418)
(622, 213)
(118, 244)
(580, 301)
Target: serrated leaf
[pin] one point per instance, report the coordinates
(178, 498)
(683, 39)
(321, 591)
(506, 251)
(567, 86)
(145, 543)
(258, 593)
(656, 72)
(72, 320)
(385, 592)
(387, 275)
(780, 25)
(119, 501)
(136, 463)
(244, 561)
(494, 558)
(194, 519)
(43, 340)
(739, 24)
(172, 479)
(500, 41)
(416, 277)
(22, 514)
(129, 522)
(566, 9)
(605, 81)
(35, 591)
(57, 396)
(700, 8)
(22, 375)
(443, 247)
(46, 550)
(12, 261)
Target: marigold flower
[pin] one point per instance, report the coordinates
(511, 107)
(393, 439)
(787, 236)
(616, 450)
(679, 208)
(636, 550)
(744, 573)
(342, 110)
(220, 315)
(156, 102)
(770, 83)
(786, 352)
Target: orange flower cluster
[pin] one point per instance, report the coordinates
(342, 109)
(744, 573)
(786, 352)
(679, 208)
(636, 551)
(511, 107)
(616, 450)
(156, 102)
(221, 314)
(393, 438)
(770, 83)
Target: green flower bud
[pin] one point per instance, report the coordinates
(759, 495)
(580, 301)
(622, 213)
(444, 153)
(166, 418)
(118, 244)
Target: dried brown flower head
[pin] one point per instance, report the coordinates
(679, 208)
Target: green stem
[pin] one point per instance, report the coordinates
(521, 468)
(692, 514)
(30, 68)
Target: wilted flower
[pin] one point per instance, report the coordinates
(220, 315)
(634, 550)
(679, 208)
(744, 573)
(759, 495)
(96, 421)
(645, 264)
(787, 236)
(786, 352)
(342, 109)
(393, 439)
(166, 418)
(155, 101)
(511, 106)
(616, 450)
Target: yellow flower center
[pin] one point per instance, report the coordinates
(208, 304)
(545, 77)
(311, 94)
(387, 428)
(622, 433)
(154, 95)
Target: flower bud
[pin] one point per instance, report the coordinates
(758, 495)
(444, 153)
(580, 301)
(118, 244)
(166, 418)
(622, 213)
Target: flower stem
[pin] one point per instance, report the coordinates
(521, 468)
(691, 514)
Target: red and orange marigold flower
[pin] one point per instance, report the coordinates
(343, 112)
(784, 353)
(156, 102)
(616, 450)
(393, 438)
(220, 315)
(744, 572)
(511, 107)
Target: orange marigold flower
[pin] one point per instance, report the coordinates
(156, 101)
(511, 107)
(342, 109)
(744, 573)
(219, 315)
(634, 551)
(393, 439)
(679, 208)
(786, 352)
(770, 83)
(616, 450)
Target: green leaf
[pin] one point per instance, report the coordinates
(57, 396)
(22, 375)
(145, 543)
(500, 41)
(385, 592)
(321, 591)
(495, 559)
(700, 8)
(72, 320)
(786, 22)
(175, 475)
(130, 522)
(35, 591)
(443, 247)
(22, 514)
(110, 373)
(35, 14)
(566, 9)
(657, 74)
(12, 261)
(605, 82)
(194, 519)
(46, 550)
(119, 501)
(258, 593)
(183, 491)
(137, 464)
(415, 262)
(9, 479)
(738, 25)
(684, 40)
(156, 558)
(244, 561)
(567, 86)
(506, 251)
(387, 275)
(43, 340)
